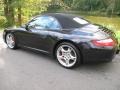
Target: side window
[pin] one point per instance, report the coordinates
(44, 22)
(36, 23)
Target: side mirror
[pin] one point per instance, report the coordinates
(25, 26)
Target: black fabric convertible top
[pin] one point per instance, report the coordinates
(66, 20)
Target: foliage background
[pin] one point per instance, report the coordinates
(17, 12)
(104, 12)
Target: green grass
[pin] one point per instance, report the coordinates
(111, 23)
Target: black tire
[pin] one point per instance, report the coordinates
(15, 41)
(78, 60)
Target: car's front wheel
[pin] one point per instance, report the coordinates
(68, 55)
(11, 41)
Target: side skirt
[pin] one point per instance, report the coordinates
(36, 49)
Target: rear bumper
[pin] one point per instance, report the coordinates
(97, 55)
(118, 51)
(91, 53)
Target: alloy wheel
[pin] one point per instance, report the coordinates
(10, 41)
(66, 56)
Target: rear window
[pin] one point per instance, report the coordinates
(80, 21)
(69, 22)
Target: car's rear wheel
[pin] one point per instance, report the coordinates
(11, 41)
(68, 55)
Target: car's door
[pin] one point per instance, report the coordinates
(37, 32)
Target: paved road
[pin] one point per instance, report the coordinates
(26, 70)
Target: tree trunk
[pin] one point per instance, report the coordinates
(9, 12)
(19, 15)
(6, 8)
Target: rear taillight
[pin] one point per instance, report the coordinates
(105, 42)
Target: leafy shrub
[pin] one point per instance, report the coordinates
(2, 21)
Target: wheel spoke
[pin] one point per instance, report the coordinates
(63, 50)
(61, 57)
(69, 50)
(72, 57)
(67, 62)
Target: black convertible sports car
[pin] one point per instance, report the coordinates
(70, 38)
